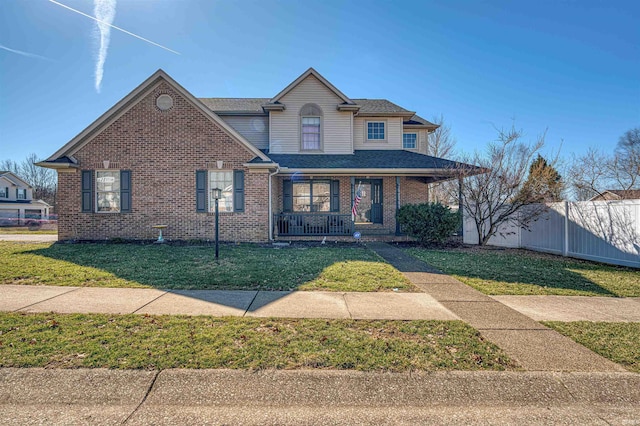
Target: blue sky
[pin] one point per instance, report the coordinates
(572, 67)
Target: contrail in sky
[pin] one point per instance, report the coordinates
(114, 27)
(105, 11)
(27, 54)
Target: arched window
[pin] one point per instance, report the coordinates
(310, 128)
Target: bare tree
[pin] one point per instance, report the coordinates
(596, 171)
(442, 145)
(43, 181)
(499, 196)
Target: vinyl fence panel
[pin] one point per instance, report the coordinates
(602, 231)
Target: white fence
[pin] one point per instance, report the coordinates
(603, 231)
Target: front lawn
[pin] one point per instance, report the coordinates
(243, 267)
(616, 341)
(160, 342)
(522, 272)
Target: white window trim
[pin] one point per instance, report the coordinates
(417, 140)
(95, 177)
(4, 192)
(210, 199)
(366, 131)
(23, 192)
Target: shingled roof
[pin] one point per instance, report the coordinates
(254, 106)
(365, 159)
(246, 105)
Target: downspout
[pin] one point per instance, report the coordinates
(270, 204)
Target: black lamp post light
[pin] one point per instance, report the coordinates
(217, 194)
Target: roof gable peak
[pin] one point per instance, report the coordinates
(318, 76)
(128, 101)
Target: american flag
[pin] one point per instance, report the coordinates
(356, 201)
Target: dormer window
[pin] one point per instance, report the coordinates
(311, 128)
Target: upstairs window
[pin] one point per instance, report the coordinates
(311, 128)
(21, 194)
(409, 140)
(4, 192)
(376, 130)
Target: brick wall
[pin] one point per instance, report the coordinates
(163, 149)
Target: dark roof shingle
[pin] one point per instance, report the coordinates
(365, 159)
(235, 104)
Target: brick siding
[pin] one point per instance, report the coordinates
(163, 150)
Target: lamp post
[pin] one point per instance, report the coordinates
(217, 194)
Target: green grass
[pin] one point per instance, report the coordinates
(615, 341)
(522, 272)
(26, 230)
(159, 342)
(245, 267)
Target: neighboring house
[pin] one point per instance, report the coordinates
(288, 166)
(16, 201)
(617, 194)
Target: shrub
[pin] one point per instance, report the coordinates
(429, 222)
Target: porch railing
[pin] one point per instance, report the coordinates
(303, 224)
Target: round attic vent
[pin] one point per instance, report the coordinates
(164, 102)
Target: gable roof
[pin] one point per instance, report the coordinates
(58, 160)
(316, 74)
(14, 179)
(251, 106)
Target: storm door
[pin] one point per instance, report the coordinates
(368, 194)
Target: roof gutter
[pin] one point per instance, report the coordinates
(383, 172)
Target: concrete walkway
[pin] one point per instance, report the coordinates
(305, 304)
(29, 238)
(283, 304)
(575, 308)
(170, 397)
(534, 346)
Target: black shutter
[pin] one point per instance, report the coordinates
(87, 191)
(287, 196)
(201, 190)
(125, 191)
(238, 190)
(335, 195)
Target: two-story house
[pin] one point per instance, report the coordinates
(17, 205)
(309, 162)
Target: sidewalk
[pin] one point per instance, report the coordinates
(283, 304)
(534, 346)
(305, 304)
(99, 396)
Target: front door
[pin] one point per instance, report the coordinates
(369, 209)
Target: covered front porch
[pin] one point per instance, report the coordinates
(317, 206)
(316, 196)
